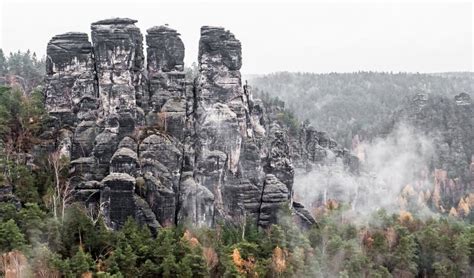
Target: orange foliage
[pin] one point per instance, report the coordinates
(210, 256)
(245, 267)
(14, 265)
(278, 260)
(193, 241)
(470, 200)
(402, 202)
(332, 204)
(405, 217)
(453, 212)
(440, 180)
(86, 275)
(408, 191)
(367, 239)
(463, 207)
(237, 259)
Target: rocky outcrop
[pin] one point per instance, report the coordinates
(312, 148)
(71, 88)
(166, 102)
(119, 57)
(219, 115)
(159, 148)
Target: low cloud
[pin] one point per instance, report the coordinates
(389, 165)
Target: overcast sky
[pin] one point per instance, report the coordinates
(276, 35)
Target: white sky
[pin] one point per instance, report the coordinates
(276, 35)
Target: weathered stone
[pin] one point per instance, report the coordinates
(196, 202)
(165, 152)
(304, 218)
(118, 197)
(161, 199)
(165, 50)
(118, 50)
(70, 76)
(167, 105)
(145, 215)
(160, 149)
(83, 139)
(275, 197)
(128, 142)
(462, 99)
(124, 160)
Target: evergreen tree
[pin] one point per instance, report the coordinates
(169, 267)
(81, 263)
(149, 270)
(3, 64)
(32, 221)
(123, 260)
(404, 258)
(11, 237)
(193, 263)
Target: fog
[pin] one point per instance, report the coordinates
(388, 165)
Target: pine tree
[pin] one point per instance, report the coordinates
(3, 64)
(123, 260)
(193, 263)
(149, 270)
(405, 257)
(32, 221)
(81, 263)
(169, 267)
(10, 236)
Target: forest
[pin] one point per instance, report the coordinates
(43, 234)
(360, 103)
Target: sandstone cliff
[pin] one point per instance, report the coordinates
(144, 142)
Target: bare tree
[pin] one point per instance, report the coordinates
(94, 213)
(62, 187)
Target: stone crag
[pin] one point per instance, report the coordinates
(147, 143)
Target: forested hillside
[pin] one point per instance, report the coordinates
(23, 70)
(350, 104)
(44, 234)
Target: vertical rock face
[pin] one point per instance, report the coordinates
(312, 148)
(158, 148)
(220, 114)
(166, 105)
(118, 49)
(70, 92)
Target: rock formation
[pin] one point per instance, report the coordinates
(150, 144)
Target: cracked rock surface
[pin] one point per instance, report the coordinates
(144, 142)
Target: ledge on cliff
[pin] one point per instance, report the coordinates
(116, 20)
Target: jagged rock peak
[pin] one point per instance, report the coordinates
(115, 20)
(64, 48)
(221, 47)
(165, 50)
(149, 144)
(70, 79)
(70, 39)
(462, 99)
(118, 50)
(161, 29)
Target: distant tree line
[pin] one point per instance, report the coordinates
(22, 69)
(361, 103)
